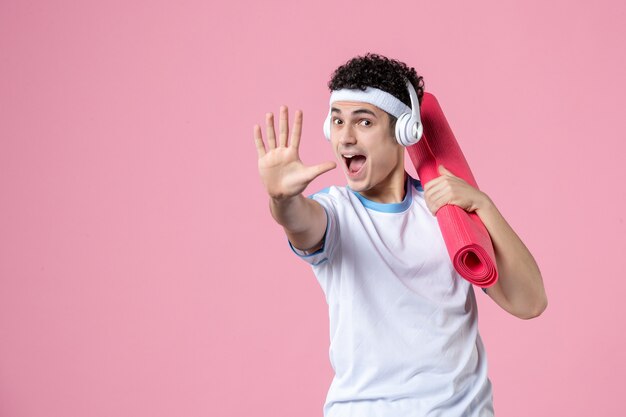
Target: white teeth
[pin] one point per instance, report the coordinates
(348, 156)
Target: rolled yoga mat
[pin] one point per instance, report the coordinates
(466, 237)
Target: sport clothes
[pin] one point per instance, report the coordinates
(404, 335)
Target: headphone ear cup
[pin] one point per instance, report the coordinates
(409, 127)
(327, 127)
(408, 130)
(402, 129)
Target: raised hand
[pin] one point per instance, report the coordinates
(281, 170)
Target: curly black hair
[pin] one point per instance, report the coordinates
(374, 70)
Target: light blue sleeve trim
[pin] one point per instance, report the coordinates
(317, 252)
(320, 262)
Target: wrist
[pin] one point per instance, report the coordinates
(281, 207)
(283, 200)
(483, 203)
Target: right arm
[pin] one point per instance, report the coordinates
(285, 177)
(303, 219)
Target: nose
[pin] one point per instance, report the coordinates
(346, 136)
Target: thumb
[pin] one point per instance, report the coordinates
(317, 170)
(443, 170)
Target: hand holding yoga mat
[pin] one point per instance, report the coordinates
(467, 240)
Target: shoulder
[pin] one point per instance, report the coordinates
(332, 194)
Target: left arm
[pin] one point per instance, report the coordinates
(519, 289)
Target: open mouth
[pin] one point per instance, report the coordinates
(354, 163)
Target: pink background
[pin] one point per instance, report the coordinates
(140, 271)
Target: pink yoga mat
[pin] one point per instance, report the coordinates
(468, 241)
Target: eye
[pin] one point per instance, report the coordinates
(365, 122)
(337, 121)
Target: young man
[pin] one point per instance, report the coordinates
(403, 322)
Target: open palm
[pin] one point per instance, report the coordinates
(281, 170)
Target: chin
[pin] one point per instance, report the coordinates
(358, 185)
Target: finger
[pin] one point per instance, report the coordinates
(437, 195)
(434, 204)
(431, 207)
(269, 128)
(433, 183)
(317, 170)
(258, 140)
(432, 194)
(445, 171)
(297, 130)
(283, 126)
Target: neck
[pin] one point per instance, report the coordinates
(391, 190)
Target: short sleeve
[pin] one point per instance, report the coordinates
(329, 241)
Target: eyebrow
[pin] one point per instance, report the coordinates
(355, 112)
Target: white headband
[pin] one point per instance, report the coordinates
(378, 98)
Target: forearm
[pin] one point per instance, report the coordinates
(302, 218)
(520, 282)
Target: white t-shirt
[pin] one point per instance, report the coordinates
(404, 335)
